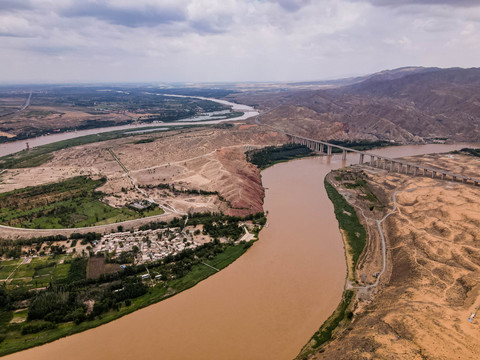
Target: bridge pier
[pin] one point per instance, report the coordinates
(381, 162)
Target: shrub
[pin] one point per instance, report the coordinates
(37, 326)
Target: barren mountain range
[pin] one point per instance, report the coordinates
(408, 105)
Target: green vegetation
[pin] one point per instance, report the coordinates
(34, 161)
(325, 332)
(357, 180)
(234, 114)
(147, 103)
(59, 310)
(271, 155)
(40, 272)
(67, 204)
(41, 154)
(215, 225)
(473, 152)
(356, 240)
(175, 191)
(38, 113)
(77, 271)
(361, 145)
(59, 306)
(144, 141)
(355, 233)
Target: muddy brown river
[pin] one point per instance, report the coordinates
(266, 305)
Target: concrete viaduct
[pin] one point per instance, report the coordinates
(383, 162)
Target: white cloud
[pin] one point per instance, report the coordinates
(228, 40)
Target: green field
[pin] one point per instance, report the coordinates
(6, 268)
(40, 272)
(68, 204)
(14, 341)
(355, 232)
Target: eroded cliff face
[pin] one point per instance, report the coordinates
(241, 184)
(185, 171)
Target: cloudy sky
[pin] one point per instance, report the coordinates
(230, 40)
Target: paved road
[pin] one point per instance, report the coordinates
(349, 285)
(27, 102)
(166, 208)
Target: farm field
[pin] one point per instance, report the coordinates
(59, 108)
(67, 204)
(37, 273)
(21, 328)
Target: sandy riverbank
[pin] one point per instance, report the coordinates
(431, 288)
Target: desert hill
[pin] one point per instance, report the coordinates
(408, 105)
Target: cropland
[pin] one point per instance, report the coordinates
(54, 290)
(70, 203)
(105, 224)
(426, 302)
(27, 112)
(190, 170)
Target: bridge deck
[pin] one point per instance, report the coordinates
(374, 156)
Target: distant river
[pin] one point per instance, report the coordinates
(266, 305)
(13, 147)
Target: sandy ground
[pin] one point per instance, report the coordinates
(432, 285)
(208, 159)
(3, 133)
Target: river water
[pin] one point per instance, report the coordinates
(266, 305)
(15, 146)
